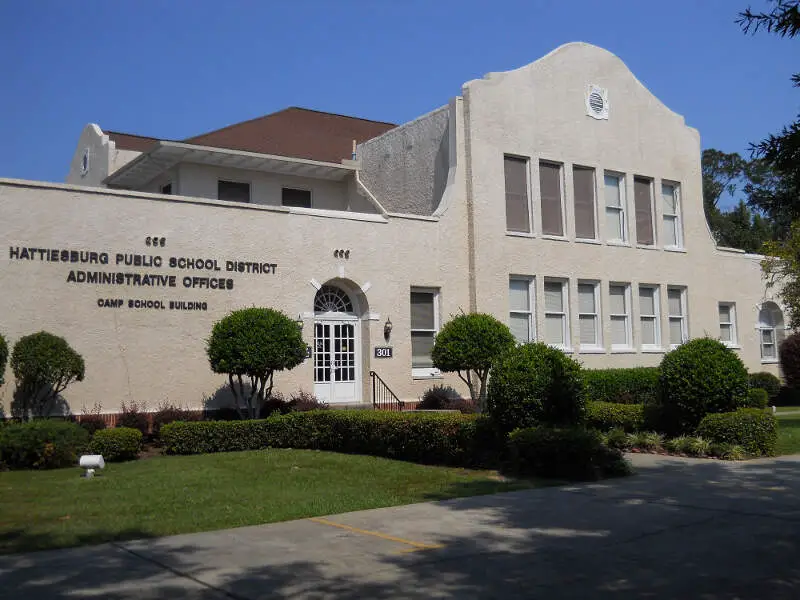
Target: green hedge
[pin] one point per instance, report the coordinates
(765, 381)
(571, 453)
(610, 415)
(754, 430)
(638, 385)
(451, 439)
(43, 444)
(757, 398)
(121, 443)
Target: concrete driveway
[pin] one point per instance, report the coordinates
(678, 529)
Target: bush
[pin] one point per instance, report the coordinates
(572, 453)
(535, 384)
(638, 385)
(432, 438)
(134, 417)
(757, 398)
(438, 397)
(756, 431)
(617, 438)
(789, 356)
(699, 377)
(609, 415)
(3, 357)
(469, 345)
(43, 365)
(168, 413)
(303, 401)
(766, 381)
(92, 420)
(122, 443)
(42, 444)
(275, 404)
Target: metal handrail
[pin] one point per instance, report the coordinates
(383, 398)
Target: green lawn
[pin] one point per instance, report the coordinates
(182, 494)
(789, 434)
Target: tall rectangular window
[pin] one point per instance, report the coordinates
(583, 189)
(589, 315)
(233, 191)
(550, 190)
(678, 326)
(295, 198)
(616, 224)
(619, 307)
(424, 326)
(521, 311)
(673, 236)
(650, 317)
(643, 198)
(516, 175)
(727, 323)
(556, 313)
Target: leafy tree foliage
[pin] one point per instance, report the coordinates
(43, 365)
(781, 267)
(468, 345)
(3, 357)
(249, 346)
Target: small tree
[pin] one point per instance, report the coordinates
(43, 365)
(248, 346)
(468, 345)
(3, 357)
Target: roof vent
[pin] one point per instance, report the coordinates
(597, 102)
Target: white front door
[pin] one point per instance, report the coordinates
(336, 370)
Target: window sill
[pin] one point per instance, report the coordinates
(769, 361)
(620, 243)
(623, 350)
(592, 350)
(675, 249)
(645, 247)
(732, 346)
(588, 241)
(653, 350)
(556, 238)
(564, 349)
(521, 234)
(426, 374)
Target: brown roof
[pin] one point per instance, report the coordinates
(295, 132)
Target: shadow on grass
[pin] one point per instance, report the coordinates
(23, 540)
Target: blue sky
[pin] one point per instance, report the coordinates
(175, 68)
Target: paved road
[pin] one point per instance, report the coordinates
(678, 529)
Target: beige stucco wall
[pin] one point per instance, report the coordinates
(539, 111)
(104, 158)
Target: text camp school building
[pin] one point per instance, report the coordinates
(561, 197)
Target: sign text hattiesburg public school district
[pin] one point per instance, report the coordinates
(87, 274)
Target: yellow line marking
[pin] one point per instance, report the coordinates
(383, 536)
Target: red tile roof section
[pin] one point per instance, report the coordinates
(294, 132)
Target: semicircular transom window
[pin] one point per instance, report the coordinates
(330, 298)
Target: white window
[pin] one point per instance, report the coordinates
(517, 205)
(550, 191)
(771, 331)
(673, 236)
(678, 326)
(650, 317)
(643, 203)
(615, 208)
(589, 315)
(520, 302)
(727, 323)
(619, 306)
(424, 327)
(556, 313)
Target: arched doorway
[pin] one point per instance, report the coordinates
(337, 342)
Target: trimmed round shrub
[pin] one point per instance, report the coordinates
(121, 443)
(43, 444)
(789, 356)
(3, 357)
(438, 397)
(535, 384)
(766, 381)
(756, 431)
(637, 385)
(699, 377)
(44, 365)
(610, 415)
(757, 398)
(570, 453)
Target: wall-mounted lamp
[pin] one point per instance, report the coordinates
(387, 329)
(299, 322)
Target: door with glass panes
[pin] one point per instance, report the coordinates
(335, 367)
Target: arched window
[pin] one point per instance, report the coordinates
(332, 299)
(771, 330)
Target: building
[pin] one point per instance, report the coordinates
(561, 197)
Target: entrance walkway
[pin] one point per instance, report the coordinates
(680, 528)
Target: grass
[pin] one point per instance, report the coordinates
(784, 409)
(788, 434)
(183, 494)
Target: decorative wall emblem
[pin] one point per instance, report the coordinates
(597, 105)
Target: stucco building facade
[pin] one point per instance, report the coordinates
(561, 197)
